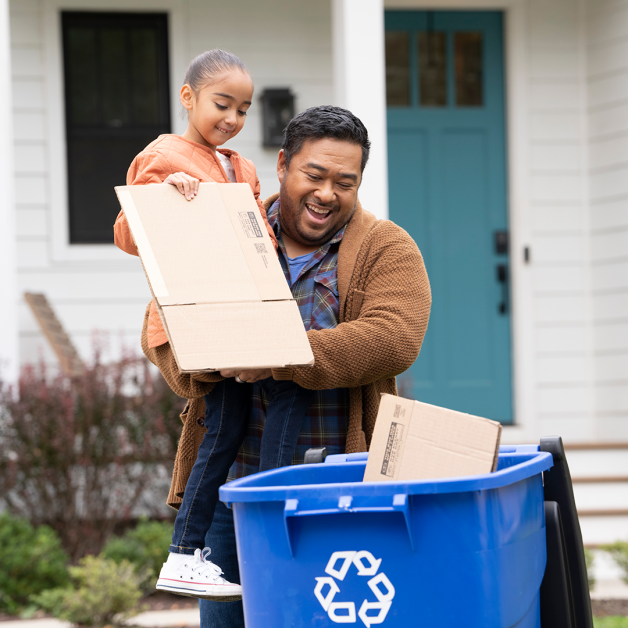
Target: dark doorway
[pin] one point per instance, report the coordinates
(117, 102)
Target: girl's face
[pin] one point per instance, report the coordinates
(217, 113)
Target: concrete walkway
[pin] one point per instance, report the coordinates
(610, 590)
(164, 619)
(149, 619)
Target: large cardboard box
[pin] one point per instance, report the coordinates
(218, 285)
(415, 441)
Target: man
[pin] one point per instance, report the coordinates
(364, 297)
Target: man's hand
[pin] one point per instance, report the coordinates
(249, 376)
(187, 185)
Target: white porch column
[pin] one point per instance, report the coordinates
(9, 357)
(360, 86)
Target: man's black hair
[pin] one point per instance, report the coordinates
(317, 123)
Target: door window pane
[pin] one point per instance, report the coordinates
(433, 69)
(116, 80)
(397, 69)
(145, 76)
(114, 77)
(468, 67)
(81, 81)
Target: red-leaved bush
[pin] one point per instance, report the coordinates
(83, 454)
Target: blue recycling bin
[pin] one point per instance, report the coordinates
(317, 546)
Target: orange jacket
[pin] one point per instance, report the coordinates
(165, 156)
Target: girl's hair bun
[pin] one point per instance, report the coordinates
(209, 65)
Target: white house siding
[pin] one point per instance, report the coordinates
(558, 221)
(607, 81)
(87, 296)
(283, 44)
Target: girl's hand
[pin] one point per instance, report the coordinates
(187, 185)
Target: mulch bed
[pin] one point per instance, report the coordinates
(602, 608)
(5, 617)
(164, 601)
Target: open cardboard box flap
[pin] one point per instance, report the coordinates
(416, 441)
(218, 285)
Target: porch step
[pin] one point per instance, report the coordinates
(610, 498)
(598, 460)
(599, 473)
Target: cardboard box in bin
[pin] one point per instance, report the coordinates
(415, 441)
(213, 271)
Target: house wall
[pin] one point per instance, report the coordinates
(567, 104)
(283, 44)
(100, 288)
(557, 219)
(607, 86)
(87, 295)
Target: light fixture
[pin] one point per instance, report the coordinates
(277, 111)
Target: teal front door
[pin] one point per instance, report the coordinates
(447, 178)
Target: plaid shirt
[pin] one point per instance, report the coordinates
(316, 294)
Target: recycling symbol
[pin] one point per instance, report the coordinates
(344, 612)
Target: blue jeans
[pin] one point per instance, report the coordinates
(221, 538)
(226, 418)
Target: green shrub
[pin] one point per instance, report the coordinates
(31, 561)
(589, 557)
(50, 600)
(103, 592)
(619, 553)
(82, 453)
(146, 546)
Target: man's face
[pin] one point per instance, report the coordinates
(319, 190)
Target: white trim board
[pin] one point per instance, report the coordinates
(360, 86)
(517, 137)
(61, 249)
(9, 349)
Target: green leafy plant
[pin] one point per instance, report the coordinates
(589, 558)
(103, 592)
(83, 453)
(146, 546)
(31, 560)
(619, 553)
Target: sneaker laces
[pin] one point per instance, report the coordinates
(203, 567)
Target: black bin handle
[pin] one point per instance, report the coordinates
(565, 598)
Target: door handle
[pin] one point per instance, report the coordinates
(501, 243)
(502, 278)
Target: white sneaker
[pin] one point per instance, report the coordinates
(195, 576)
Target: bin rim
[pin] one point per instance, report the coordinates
(246, 489)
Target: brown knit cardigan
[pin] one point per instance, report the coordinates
(385, 304)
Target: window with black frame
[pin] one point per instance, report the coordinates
(117, 102)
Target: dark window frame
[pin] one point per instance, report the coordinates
(101, 133)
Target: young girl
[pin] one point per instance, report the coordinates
(217, 93)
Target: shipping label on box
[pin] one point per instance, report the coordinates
(414, 441)
(216, 279)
